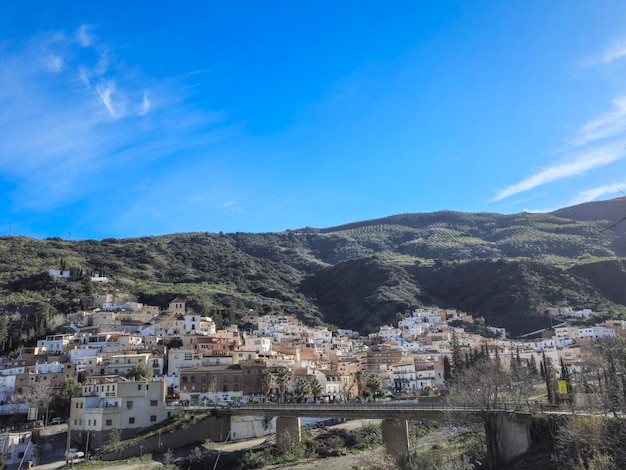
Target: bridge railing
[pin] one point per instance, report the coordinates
(374, 406)
(381, 406)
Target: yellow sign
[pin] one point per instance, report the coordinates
(562, 387)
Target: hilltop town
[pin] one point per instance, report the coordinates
(125, 366)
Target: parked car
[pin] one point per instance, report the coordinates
(74, 453)
(55, 421)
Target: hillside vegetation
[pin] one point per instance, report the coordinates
(358, 275)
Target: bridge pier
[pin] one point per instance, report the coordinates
(513, 434)
(396, 437)
(287, 431)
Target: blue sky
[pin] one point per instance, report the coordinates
(124, 119)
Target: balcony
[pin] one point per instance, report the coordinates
(104, 411)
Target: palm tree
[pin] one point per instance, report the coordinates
(267, 382)
(317, 390)
(282, 380)
(302, 390)
(374, 384)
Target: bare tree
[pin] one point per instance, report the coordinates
(485, 385)
(40, 393)
(347, 384)
(593, 440)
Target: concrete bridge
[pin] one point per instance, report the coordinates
(513, 424)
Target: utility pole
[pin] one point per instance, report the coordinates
(67, 445)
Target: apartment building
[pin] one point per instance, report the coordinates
(113, 402)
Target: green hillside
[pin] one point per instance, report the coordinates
(358, 275)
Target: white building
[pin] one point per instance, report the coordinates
(17, 448)
(55, 344)
(596, 332)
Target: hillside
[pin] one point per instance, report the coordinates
(358, 275)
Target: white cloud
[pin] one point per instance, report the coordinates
(54, 63)
(608, 125)
(615, 51)
(106, 92)
(583, 162)
(600, 191)
(83, 36)
(145, 105)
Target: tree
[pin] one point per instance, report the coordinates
(447, 369)
(548, 375)
(40, 393)
(302, 390)
(591, 440)
(486, 384)
(347, 384)
(374, 384)
(532, 365)
(139, 371)
(359, 380)
(282, 380)
(174, 343)
(317, 390)
(457, 358)
(267, 382)
(61, 401)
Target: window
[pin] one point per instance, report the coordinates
(129, 404)
(153, 402)
(138, 386)
(109, 422)
(131, 420)
(153, 418)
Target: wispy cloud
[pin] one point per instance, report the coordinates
(72, 116)
(616, 51)
(597, 143)
(145, 105)
(106, 92)
(598, 192)
(583, 162)
(612, 53)
(84, 35)
(608, 125)
(54, 63)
